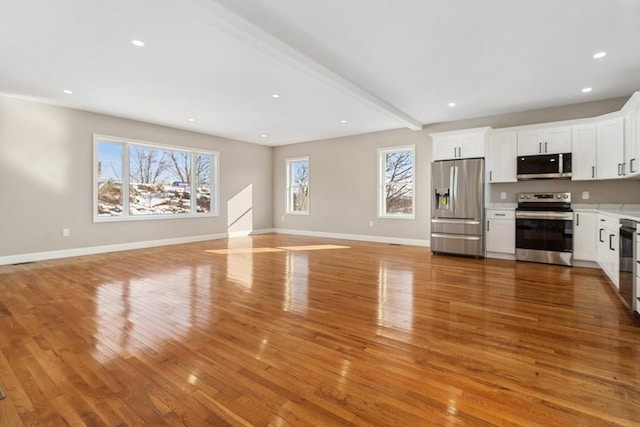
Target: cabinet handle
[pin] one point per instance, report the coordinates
(577, 220)
(631, 166)
(600, 235)
(500, 214)
(488, 226)
(545, 146)
(540, 147)
(459, 151)
(623, 167)
(610, 236)
(593, 171)
(490, 176)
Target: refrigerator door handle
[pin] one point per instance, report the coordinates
(452, 191)
(455, 221)
(455, 188)
(455, 236)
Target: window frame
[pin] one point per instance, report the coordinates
(382, 166)
(289, 188)
(126, 144)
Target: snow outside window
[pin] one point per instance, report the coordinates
(298, 186)
(396, 196)
(140, 180)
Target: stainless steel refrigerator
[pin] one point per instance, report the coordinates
(457, 207)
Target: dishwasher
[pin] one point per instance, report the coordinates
(628, 265)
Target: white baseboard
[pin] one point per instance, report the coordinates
(585, 264)
(66, 253)
(360, 237)
(499, 255)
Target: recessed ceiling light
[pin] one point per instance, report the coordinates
(343, 121)
(586, 90)
(137, 43)
(191, 119)
(452, 104)
(600, 55)
(264, 135)
(67, 91)
(275, 96)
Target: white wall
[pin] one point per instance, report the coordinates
(46, 181)
(343, 186)
(343, 176)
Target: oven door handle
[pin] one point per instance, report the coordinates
(563, 216)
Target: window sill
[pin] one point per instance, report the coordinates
(97, 219)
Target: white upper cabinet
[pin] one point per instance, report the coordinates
(610, 143)
(544, 141)
(584, 164)
(465, 144)
(501, 158)
(632, 136)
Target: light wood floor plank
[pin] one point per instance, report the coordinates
(316, 332)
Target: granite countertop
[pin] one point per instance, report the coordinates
(621, 211)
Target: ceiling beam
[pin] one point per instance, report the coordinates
(264, 42)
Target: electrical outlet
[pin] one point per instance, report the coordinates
(66, 232)
(585, 195)
(371, 223)
(503, 195)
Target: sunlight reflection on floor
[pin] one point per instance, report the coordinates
(278, 249)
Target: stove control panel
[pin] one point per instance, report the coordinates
(544, 197)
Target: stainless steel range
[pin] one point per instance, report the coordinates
(544, 228)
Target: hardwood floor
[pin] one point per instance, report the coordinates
(284, 330)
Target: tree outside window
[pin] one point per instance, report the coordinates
(298, 185)
(143, 180)
(396, 180)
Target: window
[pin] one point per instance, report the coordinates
(298, 186)
(140, 180)
(395, 181)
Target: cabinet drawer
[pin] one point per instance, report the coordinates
(609, 222)
(501, 214)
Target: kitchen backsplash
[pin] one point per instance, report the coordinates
(617, 192)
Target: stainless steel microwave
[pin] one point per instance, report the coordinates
(545, 166)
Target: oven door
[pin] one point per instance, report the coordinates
(544, 237)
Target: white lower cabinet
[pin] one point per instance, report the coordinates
(501, 231)
(584, 236)
(608, 236)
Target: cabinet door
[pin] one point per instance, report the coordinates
(446, 147)
(584, 152)
(530, 142)
(502, 157)
(471, 145)
(601, 244)
(613, 260)
(501, 236)
(556, 140)
(585, 236)
(632, 142)
(610, 143)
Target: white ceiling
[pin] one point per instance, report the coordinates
(378, 64)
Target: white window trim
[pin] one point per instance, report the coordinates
(382, 152)
(125, 142)
(288, 201)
